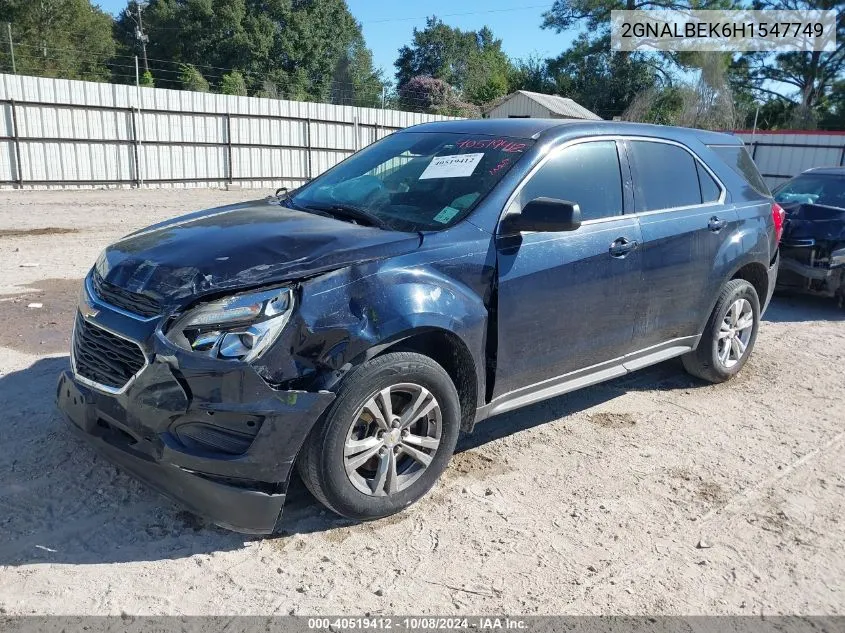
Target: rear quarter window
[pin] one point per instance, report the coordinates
(738, 159)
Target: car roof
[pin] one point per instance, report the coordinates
(826, 171)
(550, 129)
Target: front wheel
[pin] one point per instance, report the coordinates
(386, 439)
(729, 335)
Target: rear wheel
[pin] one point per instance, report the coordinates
(729, 335)
(386, 439)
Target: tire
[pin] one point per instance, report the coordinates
(356, 423)
(708, 361)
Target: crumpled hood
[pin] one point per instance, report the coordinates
(813, 221)
(241, 245)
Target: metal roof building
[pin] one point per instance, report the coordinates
(525, 104)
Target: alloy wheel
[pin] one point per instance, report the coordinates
(393, 439)
(735, 333)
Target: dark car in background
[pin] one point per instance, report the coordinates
(813, 244)
(450, 272)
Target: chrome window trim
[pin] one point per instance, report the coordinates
(95, 298)
(92, 383)
(606, 137)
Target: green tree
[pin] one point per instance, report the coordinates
(487, 71)
(531, 73)
(146, 79)
(315, 36)
(833, 115)
(355, 80)
(616, 83)
(192, 79)
(233, 83)
(472, 62)
(595, 14)
(212, 35)
(601, 80)
(803, 81)
(283, 48)
(70, 39)
(438, 51)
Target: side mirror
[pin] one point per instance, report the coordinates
(546, 215)
(281, 192)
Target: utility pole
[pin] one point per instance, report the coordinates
(754, 131)
(139, 126)
(11, 47)
(141, 36)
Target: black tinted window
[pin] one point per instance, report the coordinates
(738, 159)
(665, 176)
(587, 173)
(710, 191)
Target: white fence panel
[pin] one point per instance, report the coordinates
(61, 133)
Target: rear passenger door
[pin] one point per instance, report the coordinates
(567, 301)
(685, 223)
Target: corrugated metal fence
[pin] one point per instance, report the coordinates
(783, 154)
(61, 133)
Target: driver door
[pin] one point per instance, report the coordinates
(567, 301)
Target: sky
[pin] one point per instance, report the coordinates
(389, 26)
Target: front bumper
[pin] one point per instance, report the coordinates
(211, 434)
(797, 274)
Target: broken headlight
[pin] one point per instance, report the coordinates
(239, 327)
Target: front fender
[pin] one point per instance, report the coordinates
(349, 315)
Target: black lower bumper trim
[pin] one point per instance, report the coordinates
(235, 508)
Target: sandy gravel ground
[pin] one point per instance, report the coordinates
(654, 493)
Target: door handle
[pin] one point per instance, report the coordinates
(622, 246)
(716, 224)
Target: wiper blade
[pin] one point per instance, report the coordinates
(352, 213)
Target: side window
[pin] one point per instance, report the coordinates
(738, 159)
(710, 191)
(665, 176)
(586, 173)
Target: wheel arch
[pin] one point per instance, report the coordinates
(751, 270)
(449, 351)
(757, 275)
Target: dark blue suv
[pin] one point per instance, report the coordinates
(447, 273)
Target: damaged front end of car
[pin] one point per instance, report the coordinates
(813, 251)
(206, 385)
(178, 403)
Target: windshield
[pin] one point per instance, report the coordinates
(414, 181)
(813, 189)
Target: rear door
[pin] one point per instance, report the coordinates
(685, 223)
(568, 300)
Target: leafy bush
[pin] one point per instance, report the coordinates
(233, 83)
(192, 79)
